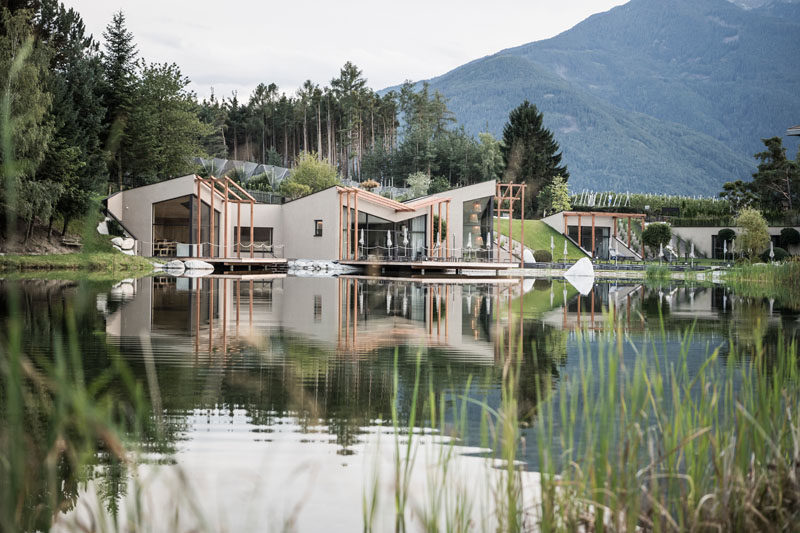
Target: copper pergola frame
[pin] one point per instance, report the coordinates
(229, 195)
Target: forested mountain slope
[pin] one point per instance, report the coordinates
(655, 95)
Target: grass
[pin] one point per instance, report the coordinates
(537, 237)
(663, 449)
(653, 443)
(656, 273)
(97, 255)
(780, 282)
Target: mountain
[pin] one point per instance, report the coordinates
(655, 95)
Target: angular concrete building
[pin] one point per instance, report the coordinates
(173, 219)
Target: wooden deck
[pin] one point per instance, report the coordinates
(432, 266)
(271, 264)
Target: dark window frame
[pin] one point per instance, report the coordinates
(318, 227)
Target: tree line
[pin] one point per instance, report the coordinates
(85, 117)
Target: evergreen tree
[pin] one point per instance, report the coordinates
(75, 159)
(24, 65)
(530, 153)
(119, 64)
(164, 130)
(777, 181)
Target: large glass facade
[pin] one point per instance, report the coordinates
(478, 216)
(602, 236)
(175, 228)
(381, 238)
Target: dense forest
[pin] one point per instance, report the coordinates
(363, 134)
(84, 117)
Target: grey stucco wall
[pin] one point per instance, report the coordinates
(292, 223)
(701, 236)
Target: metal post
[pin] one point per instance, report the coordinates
(593, 241)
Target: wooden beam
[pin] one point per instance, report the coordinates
(349, 236)
(355, 252)
(225, 252)
(522, 235)
(430, 227)
(439, 208)
(198, 246)
(340, 237)
(629, 232)
(593, 241)
(252, 251)
(211, 222)
(449, 229)
(239, 230)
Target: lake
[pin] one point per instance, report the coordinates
(272, 396)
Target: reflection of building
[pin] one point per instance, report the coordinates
(174, 219)
(357, 315)
(592, 312)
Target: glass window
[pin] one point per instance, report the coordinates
(317, 228)
(478, 215)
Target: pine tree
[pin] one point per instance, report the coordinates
(530, 153)
(75, 159)
(119, 64)
(777, 181)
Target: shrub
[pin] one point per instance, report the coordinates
(755, 234)
(780, 255)
(419, 183)
(657, 234)
(790, 236)
(369, 185)
(726, 234)
(439, 184)
(542, 256)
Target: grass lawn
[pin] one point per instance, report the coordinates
(537, 237)
(96, 255)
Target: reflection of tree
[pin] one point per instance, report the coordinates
(544, 350)
(76, 401)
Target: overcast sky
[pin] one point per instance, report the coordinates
(234, 45)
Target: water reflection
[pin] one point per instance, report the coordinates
(238, 369)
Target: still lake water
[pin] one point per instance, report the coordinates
(269, 390)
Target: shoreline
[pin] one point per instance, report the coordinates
(78, 262)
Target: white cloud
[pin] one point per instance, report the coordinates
(235, 45)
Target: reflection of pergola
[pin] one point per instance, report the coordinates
(348, 218)
(614, 217)
(228, 194)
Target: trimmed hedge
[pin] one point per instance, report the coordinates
(780, 255)
(542, 256)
